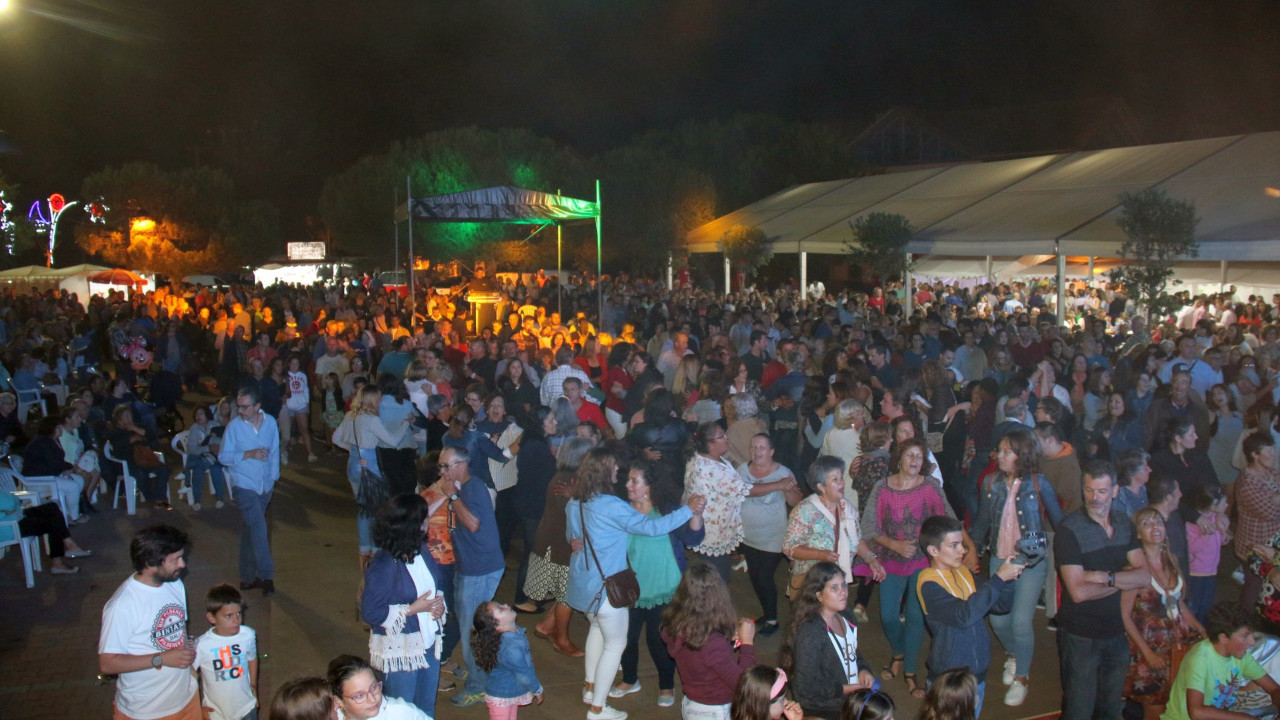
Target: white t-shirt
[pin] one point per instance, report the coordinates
(224, 670)
(299, 391)
(144, 620)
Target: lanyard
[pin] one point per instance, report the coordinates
(846, 649)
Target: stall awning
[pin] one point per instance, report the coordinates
(504, 204)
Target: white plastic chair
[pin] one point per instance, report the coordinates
(45, 486)
(179, 444)
(126, 482)
(11, 534)
(27, 398)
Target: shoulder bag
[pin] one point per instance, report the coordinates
(622, 587)
(374, 490)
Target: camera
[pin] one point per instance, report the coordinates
(1032, 548)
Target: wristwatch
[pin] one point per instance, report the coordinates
(156, 661)
(453, 497)
(1111, 578)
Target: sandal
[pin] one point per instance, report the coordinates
(912, 686)
(887, 672)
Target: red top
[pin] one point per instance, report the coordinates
(591, 412)
(611, 401)
(710, 674)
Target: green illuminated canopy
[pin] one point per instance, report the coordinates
(502, 204)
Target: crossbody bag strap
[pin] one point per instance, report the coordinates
(582, 513)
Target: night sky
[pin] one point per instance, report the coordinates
(287, 92)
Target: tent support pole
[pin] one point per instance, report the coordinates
(1222, 286)
(908, 292)
(413, 295)
(727, 286)
(395, 195)
(989, 278)
(559, 280)
(1089, 281)
(599, 266)
(670, 277)
(1062, 286)
(804, 274)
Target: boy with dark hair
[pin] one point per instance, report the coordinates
(1217, 667)
(954, 608)
(227, 656)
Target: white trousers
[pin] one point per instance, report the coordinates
(605, 643)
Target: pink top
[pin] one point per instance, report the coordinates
(1205, 549)
(898, 514)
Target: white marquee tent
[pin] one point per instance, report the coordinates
(1002, 219)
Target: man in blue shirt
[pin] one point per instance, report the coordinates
(251, 454)
(479, 559)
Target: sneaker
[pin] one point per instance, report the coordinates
(588, 695)
(448, 687)
(666, 698)
(463, 699)
(219, 505)
(1238, 575)
(268, 588)
(284, 459)
(741, 565)
(607, 713)
(860, 614)
(765, 628)
(1010, 669)
(1053, 625)
(313, 458)
(195, 507)
(618, 692)
(1016, 695)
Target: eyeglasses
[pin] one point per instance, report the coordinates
(245, 407)
(446, 466)
(375, 690)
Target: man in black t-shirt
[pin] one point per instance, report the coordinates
(1093, 549)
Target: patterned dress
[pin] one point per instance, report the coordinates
(898, 514)
(725, 490)
(1160, 628)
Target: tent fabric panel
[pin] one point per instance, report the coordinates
(761, 211)
(503, 204)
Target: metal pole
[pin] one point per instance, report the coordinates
(1089, 280)
(989, 278)
(413, 293)
(1222, 286)
(395, 197)
(559, 264)
(670, 278)
(599, 265)
(728, 287)
(908, 292)
(804, 275)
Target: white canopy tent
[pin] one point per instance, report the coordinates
(1032, 210)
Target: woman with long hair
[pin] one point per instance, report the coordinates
(710, 474)
(522, 397)
(891, 521)
(1258, 503)
(685, 386)
(662, 437)
(548, 574)
(357, 693)
(616, 384)
(868, 704)
(701, 631)
(592, 361)
(603, 522)
(1156, 618)
(822, 654)
(1018, 500)
(953, 695)
(844, 440)
(535, 468)
(402, 605)
(762, 695)
(1118, 431)
(1177, 456)
(395, 411)
(659, 563)
(297, 406)
(1226, 425)
(360, 433)
(742, 416)
(305, 698)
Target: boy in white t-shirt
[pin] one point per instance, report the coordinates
(227, 657)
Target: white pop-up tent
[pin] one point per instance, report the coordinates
(73, 279)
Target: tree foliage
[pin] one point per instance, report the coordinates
(747, 248)
(879, 242)
(19, 240)
(197, 224)
(1159, 230)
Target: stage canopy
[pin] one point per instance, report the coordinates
(503, 204)
(1065, 203)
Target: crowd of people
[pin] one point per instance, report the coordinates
(974, 461)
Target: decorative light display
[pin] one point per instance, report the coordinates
(98, 212)
(49, 225)
(6, 224)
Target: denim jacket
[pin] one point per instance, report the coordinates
(513, 676)
(1032, 506)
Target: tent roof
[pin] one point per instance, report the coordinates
(502, 204)
(1031, 205)
(40, 272)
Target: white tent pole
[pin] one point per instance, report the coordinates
(670, 278)
(804, 273)
(727, 286)
(1062, 286)
(1222, 286)
(559, 263)
(599, 265)
(989, 277)
(395, 196)
(909, 295)
(1089, 279)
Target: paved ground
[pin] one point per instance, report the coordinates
(48, 638)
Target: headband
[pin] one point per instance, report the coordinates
(778, 684)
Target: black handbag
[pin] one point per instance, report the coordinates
(622, 587)
(374, 491)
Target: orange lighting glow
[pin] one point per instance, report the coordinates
(142, 224)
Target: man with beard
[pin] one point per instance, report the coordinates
(1098, 555)
(144, 631)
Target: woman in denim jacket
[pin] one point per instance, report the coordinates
(1018, 463)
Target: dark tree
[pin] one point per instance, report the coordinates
(1159, 231)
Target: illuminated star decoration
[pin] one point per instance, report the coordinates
(6, 224)
(98, 212)
(42, 224)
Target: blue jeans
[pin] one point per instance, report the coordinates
(982, 693)
(473, 591)
(1013, 628)
(364, 525)
(196, 467)
(444, 585)
(255, 551)
(1093, 672)
(905, 638)
(416, 686)
(1200, 593)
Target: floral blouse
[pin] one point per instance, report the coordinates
(1258, 498)
(725, 490)
(813, 526)
(1269, 598)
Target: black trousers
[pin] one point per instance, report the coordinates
(45, 519)
(761, 568)
(651, 620)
